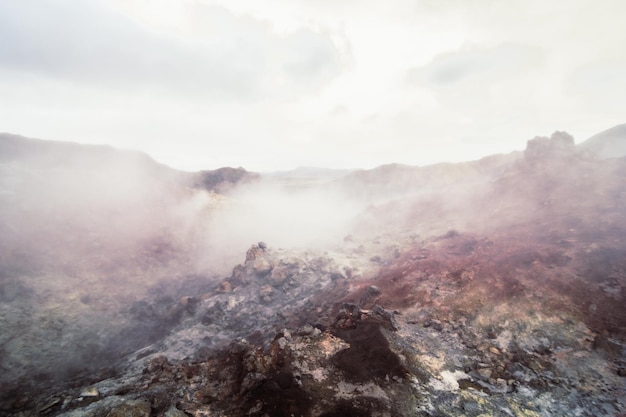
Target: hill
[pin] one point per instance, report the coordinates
(610, 143)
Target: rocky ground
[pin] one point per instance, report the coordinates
(450, 325)
(517, 311)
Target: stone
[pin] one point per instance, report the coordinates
(305, 330)
(485, 374)
(261, 267)
(494, 350)
(90, 392)
(386, 317)
(281, 273)
(131, 408)
(174, 412)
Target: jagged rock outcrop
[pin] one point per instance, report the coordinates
(559, 145)
(222, 180)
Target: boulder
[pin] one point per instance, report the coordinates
(131, 408)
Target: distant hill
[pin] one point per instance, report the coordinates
(43, 157)
(310, 172)
(16, 147)
(610, 143)
(397, 180)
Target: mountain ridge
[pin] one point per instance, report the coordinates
(608, 143)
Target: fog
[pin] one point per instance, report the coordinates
(87, 208)
(111, 208)
(308, 218)
(92, 208)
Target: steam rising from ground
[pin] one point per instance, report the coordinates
(118, 211)
(126, 212)
(304, 218)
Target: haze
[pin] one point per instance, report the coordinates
(275, 85)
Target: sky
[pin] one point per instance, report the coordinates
(276, 84)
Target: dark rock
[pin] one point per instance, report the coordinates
(385, 317)
(335, 276)
(131, 408)
(363, 407)
(159, 400)
(450, 234)
(377, 259)
(224, 179)
(369, 297)
(604, 343)
(348, 316)
(282, 273)
(214, 314)
(369, 356)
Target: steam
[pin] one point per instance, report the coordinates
(305, 218)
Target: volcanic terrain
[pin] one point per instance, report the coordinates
(487, 288)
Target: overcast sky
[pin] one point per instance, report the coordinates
(276, 84)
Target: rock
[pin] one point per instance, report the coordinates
(88, 396)
(305, 330)
(265, 294)
(174, 412)
(485, 374)
(495, 350)
(90, 392)
(370, 295)
(281, 273)
(261, 267)
(348, 316)
(131, 408)
(558, 145)
(607, 345)
(253, 253)
(225, 286)
(49, 405)
(376, 259)
(386, 317)
(223, 179)
(373, 289)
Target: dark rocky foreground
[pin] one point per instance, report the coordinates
(458, 324)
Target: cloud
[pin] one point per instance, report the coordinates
(232, 57)
(309, 56)
(601, 82)
(476, 64)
